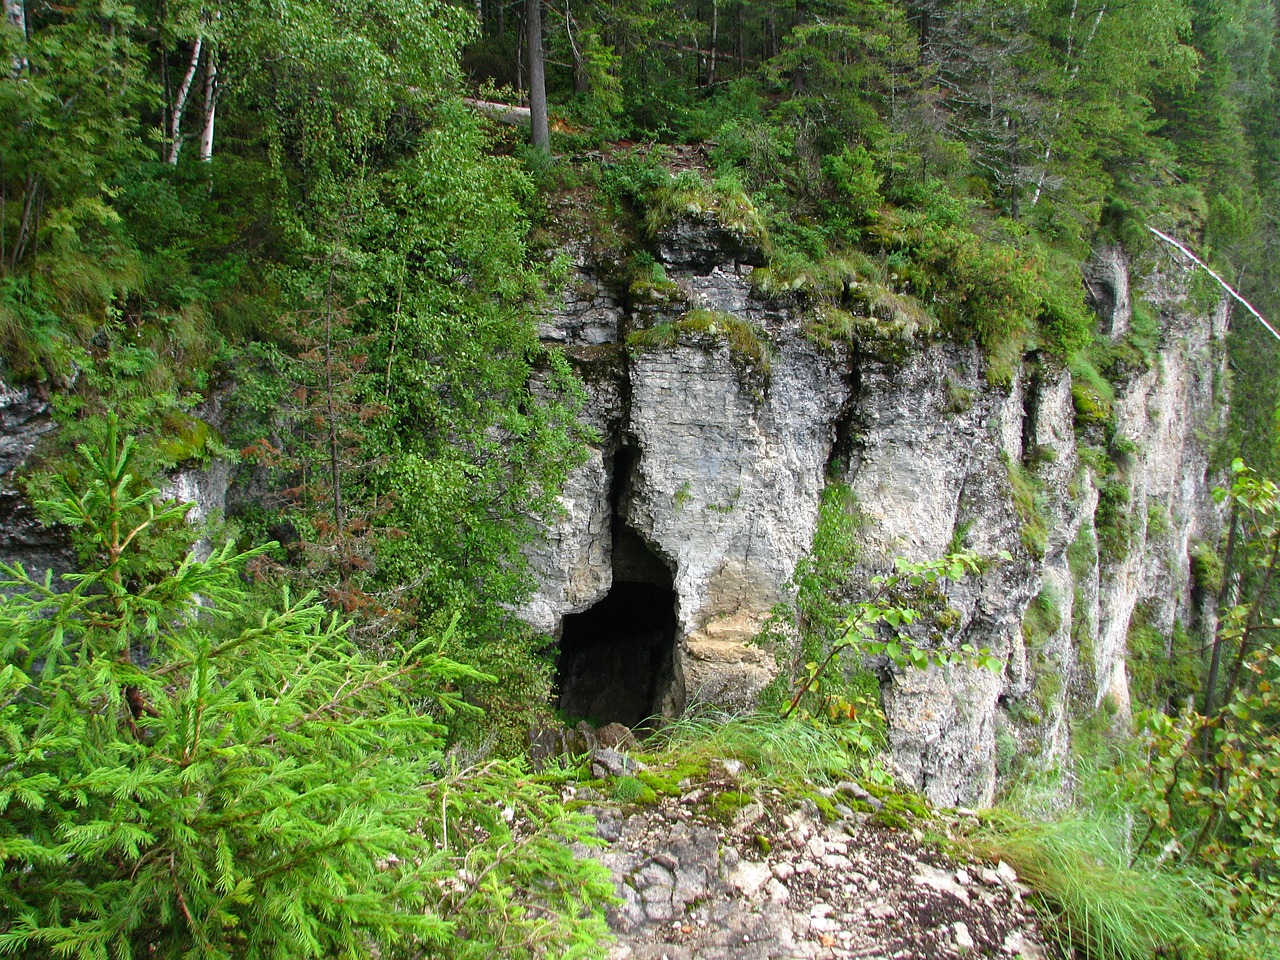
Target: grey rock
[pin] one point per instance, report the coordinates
(717, 469)
(607, 762)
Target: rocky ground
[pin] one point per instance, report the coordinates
(766, 877)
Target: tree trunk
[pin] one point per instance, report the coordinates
(715, 35)
(1215, 659)
(180, 102)
(502, 112)
(210, 103)
(580, 82)
(541, 135)
(15, 14)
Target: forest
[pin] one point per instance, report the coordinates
(294, 214)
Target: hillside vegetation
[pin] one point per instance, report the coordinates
(277, 234)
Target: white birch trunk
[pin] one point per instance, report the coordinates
(180, 102)
(1073, 71)
(15, 14)
(715, 35)
(210, 104)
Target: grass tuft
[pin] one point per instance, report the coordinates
(772, 749)
(1093, 901)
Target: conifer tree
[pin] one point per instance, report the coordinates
(189, 773)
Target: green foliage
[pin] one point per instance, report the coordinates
(855, 188)
(879, 627)
(1114, 522)
(196, 772)
(1043, 618)
(1158, 520)
(1030, 503)
(1093, 900)
(1210, 783)
(723, 200)
(824, 581)
(1207, 568)
(1163, 668)
(628, 789)
(1092, 394)
(775, 751)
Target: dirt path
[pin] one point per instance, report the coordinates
(773, 880)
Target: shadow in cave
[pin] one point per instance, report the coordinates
(616, 659)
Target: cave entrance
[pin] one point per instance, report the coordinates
(616, 661)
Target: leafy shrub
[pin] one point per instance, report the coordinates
(1210, 784)
(855, 188)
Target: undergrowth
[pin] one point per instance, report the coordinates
(1093, 900)
(772, 750)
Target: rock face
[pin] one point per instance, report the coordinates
(715, 449)
(24, 418)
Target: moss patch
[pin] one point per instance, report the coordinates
(672, 781)
(748, 345)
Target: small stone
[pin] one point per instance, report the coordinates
(607, 762)
(964, 939)
(963, 878)
(1017, 945)
(749, 877)
(989, 877)
(782, 870)
(882, 910)
(777, 892)
(725, 767)
(615, 735)
(1008, 876)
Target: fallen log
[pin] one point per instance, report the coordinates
(502, 112)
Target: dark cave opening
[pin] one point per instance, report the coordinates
(616, 661)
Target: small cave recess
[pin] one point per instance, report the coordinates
(617, 659)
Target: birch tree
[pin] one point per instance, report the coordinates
(180, 101)
(15, 16)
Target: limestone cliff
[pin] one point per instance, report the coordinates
(721, 418)
(714, 449)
